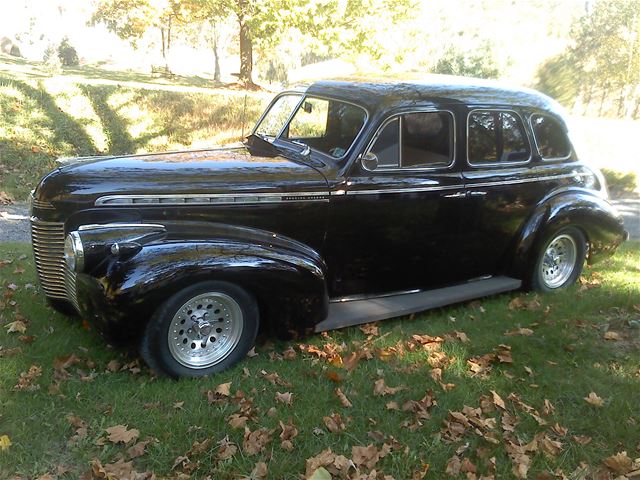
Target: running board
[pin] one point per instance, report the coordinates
(355, 312)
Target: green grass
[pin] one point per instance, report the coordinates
(567, 355)
(87, 111)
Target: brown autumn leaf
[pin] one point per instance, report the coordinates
(5, 198)
(611, 335)
(550, 447)
(366, 456)
(381, 389)
(138, 449)
(620, 463)
(453, 466)
(27, 379)
(594, 399)
(436, 374)
(497, 400)
(521, 464)
(226, 449)
(288, 432)
(16, 327)
(321, 460)
(120, 434)
(259, 471)
(237, 421)
(350, 362)
(286, 398)
(393, 405)
(519, 331)
(223, 389)
(334, 423)
(548, 407)
(343, 398)
(370, 329)
(256, 441)
(581, 439)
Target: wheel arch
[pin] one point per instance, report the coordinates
(593, 216)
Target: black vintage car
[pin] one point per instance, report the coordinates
(349, 203)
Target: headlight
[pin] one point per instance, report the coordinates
(74, 252)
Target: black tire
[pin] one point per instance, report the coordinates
(543, 282)
(166, 359)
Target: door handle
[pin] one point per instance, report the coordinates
(477, 194)
(456, 195)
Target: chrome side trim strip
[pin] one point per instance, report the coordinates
(95, 226)
(211, 199)
(354, 298)
(470, 185)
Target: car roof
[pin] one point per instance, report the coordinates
(383, 94)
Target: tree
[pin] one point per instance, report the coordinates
(338, 26)
(477, 63)
(67, 53)
(131, 19)
(605, 55)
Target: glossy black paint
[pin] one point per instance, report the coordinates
(375, 232)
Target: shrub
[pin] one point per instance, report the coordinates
(620, 184)
(52, 63)
(67, 54)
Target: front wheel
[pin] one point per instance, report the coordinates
(202, 329)
(560, 260)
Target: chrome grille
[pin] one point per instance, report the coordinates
(48, 248)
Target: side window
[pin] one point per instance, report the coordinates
(415, 140)
(496, 137)
(551, 138)
(387, 146)
(427, 139)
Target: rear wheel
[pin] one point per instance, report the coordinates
(202, 329)
(560, 260)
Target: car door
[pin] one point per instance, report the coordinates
(396, 224)
(502, 187)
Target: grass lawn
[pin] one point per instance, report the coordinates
(88, 111)
(493, 387)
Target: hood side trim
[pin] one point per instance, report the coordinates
(211, 199)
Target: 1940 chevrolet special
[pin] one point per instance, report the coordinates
(349, 203)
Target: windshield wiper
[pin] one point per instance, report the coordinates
(306, 149)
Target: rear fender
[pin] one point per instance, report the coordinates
(594, 216)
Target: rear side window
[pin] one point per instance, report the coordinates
(551, 138)
(496, 137)
(415, 140)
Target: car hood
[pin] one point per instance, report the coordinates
(226, 170)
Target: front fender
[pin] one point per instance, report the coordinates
(286, 277)
(600, 222)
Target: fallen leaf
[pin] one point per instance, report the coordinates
(237, 421)
(27, 379)
(365, 456)
(548, 407)
(381, 389)
(620, 463)
(5, 442)
(343, 398)
(259, 471)
(223, 389)
(320, 473)
(334, 423)
(610, 335)
(519, 331)
(120, 434)
(226, 449)
(594, 399)
(286, 398)
(16, 327)
(436, 374)
(138, 449)
(370, 329)
(255, 442)
(453, 466)
(497, 401)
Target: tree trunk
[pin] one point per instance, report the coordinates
(164, 50)
(246, 55)
(216, 54)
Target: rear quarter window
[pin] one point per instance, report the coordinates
(496, 137)
(550, 137)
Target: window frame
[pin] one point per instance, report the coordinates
(498, 164)
(400, 168)
(535, 140)
(304, 95)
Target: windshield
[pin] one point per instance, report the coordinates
(328, 126)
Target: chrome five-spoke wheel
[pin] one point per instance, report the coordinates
(202, 329)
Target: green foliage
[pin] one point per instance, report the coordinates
(67, 53)
(620, 184)
(601, 69)
(52, 63)
(478, 63)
